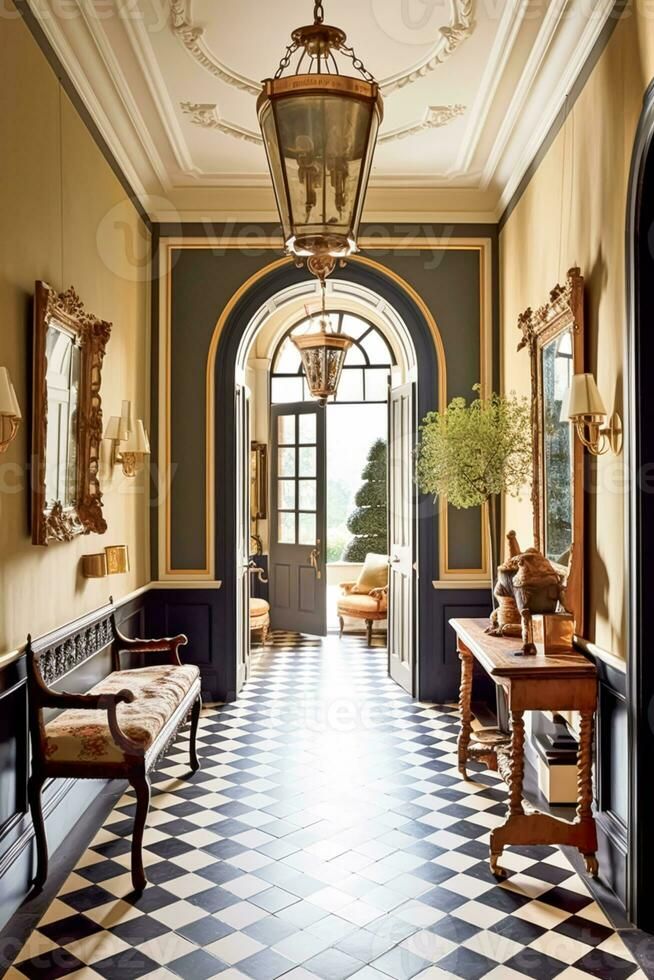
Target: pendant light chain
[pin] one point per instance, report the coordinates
(318, 13)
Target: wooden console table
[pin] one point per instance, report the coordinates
(558, 683)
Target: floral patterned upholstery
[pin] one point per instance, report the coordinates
(81, 735)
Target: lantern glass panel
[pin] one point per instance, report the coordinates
(271, 144)
(324, 144)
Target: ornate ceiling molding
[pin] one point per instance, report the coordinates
(451, 36)
(207, 115)
(435, 117)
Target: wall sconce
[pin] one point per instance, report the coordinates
(114, 560)
(130, 443)
(586, 410)
(10, 415)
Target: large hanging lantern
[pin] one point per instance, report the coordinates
(323, 355)
(319, 129)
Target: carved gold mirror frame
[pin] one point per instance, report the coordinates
(62, 315)
(542, 329)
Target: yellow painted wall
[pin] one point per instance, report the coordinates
(105, 248)
(573, 213)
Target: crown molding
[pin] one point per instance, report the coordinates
(538, 125)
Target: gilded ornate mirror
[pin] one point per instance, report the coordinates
(69, 346)
(554, 335)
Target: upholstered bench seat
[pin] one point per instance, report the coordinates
(82, 735)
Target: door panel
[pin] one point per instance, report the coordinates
(242, 536)
(402, 508)
(298, 519)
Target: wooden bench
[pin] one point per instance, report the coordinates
(117, 729)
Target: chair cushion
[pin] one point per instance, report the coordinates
(361, 606)
(373, 575)
(81, 735)
(259, 607)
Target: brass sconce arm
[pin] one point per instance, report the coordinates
(599, 439)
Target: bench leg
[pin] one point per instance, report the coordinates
(34, 787)
(195, 718)
(141, 785)
(369, 631)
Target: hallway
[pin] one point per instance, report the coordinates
(327, 835)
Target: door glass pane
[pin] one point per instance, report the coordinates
(307, 529)
(287, 528)
(286, 498)
(286, 390)
(307, 495)
(286, 430)
(286, 462)
(307, 462)
(307, 429)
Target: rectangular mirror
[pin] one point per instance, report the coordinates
(69, 346)
(554, 334)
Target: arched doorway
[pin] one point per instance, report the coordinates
(244, 318)
(311, 448)
(639, 448)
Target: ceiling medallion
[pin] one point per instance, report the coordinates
(320, 129)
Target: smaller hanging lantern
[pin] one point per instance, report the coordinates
(323, 356)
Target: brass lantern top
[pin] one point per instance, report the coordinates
(320, 129)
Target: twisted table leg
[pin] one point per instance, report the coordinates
(585, 782)
(465, 696)
(517, 763)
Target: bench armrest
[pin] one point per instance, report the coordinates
(169, 645)
(95, 702)
(346, 587)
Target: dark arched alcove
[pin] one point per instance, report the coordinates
(639, 429)
(434, 683)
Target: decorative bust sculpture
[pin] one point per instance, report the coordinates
(528, 583)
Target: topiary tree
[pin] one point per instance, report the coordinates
(369, 521)
(473, 453)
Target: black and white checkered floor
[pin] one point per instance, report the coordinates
(328, 835)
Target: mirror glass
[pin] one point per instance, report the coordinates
(557, 449)
(63, 357)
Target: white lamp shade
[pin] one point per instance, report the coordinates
(584, 397)
(116, 428)
(8, 402)
(137, 441)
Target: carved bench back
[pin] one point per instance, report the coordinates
(75, 656)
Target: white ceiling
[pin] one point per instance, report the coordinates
(470, 89)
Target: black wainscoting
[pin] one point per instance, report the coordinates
(441, 670)
(611, 786)
(196, 613)
(63, 800)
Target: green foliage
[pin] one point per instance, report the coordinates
(471, 452)
(368, 522)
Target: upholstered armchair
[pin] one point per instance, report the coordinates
(369, 606)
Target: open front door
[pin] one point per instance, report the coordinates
(298, 585)
(242, 536)
(402, 503)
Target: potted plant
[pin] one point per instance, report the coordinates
(472, 453)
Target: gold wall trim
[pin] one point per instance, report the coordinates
(169, 245)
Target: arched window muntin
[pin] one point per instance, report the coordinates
(366, 372)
